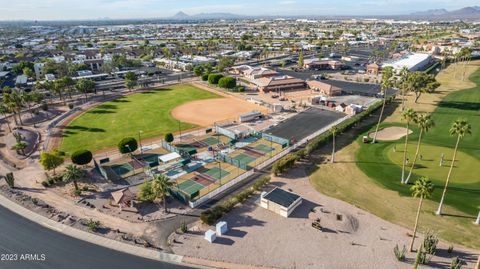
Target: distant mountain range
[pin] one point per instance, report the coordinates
(466, 13)
(463, 13)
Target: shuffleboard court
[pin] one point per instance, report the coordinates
(305, 123)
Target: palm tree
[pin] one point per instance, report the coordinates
(4, 110)
(14, 103)
(460, 128)
(334, 131)
(387, 74)
(72, 173)
(20, 146)
(403, 84)
(478, 217)
(409, 115)
(422, 188)
(160, 185)
(424, 122)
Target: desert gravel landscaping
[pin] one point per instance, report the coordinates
(261, 237)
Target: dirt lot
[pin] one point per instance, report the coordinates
(261, 237)
(207, 112)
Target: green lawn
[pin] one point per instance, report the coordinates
(106, 124)
(380, 163)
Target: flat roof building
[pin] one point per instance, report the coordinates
(280, 201)
(413, 62)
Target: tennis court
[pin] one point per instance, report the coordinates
(211, 141)
(244, 158)
(190, 187)
(122, 169)
(263, 148)
(217, 172)
(252, 152)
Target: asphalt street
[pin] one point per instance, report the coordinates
(27, 245)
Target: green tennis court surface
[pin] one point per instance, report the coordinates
(122, 169)
(263, 148)
(244, 158)
(190, 187)
(217, 173)
(150, 158)
(210, 141)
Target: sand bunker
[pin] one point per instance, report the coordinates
(390, 133)
(207, 112)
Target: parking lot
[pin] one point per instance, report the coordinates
(304, 124)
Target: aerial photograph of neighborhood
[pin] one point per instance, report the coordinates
(273, 134)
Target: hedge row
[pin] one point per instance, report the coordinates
(289, 160)
(210, 216)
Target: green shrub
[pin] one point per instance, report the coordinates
(51, 180)
(77, 193)
(400, 253)
(205, 77)
(82, 157)
(214, 78)
(93, 225)
(227, 82)
(169, 137)
(430, 243)
(70, 105)
(127, 145)
(457, 263)
(183, 227)
(45, 184)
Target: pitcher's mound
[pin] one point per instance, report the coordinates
(390, 133)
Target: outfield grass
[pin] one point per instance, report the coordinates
(105, 125)
(377, 188)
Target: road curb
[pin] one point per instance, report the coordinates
(89, 237)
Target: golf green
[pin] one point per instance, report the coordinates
(149, 112)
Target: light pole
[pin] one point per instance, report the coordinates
(140, 140)
(180, 130)
(271, 145)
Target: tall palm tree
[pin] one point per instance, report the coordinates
(387, 75)
(14, 103)
(334, 131)
(423, 188)
(409, 115)
(4, 110)
(403, 84)
(160, 185)
(460, 128)
(72, 173)
(478, 217)
(424, 122)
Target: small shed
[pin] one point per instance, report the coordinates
(123, 198)
(280, 201)
(210, 236)
(221, 228)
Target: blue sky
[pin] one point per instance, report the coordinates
(92, 9)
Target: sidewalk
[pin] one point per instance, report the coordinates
(89, 237)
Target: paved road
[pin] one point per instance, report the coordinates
(21, 236)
